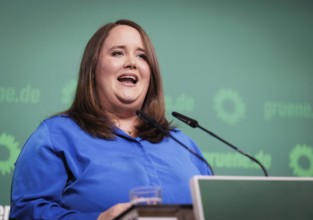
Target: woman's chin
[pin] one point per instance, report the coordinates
(128, 99)
(130, 104)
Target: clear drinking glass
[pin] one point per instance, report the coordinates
(146, 195)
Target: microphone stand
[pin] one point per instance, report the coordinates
(235, 148)
(146, 118)
(193, 123)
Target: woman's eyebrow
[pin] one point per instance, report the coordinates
(117, 47)
(124, 47)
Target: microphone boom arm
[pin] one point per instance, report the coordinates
(193, 123)
(146, 118)
(235, 148)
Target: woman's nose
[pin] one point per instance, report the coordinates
(130, 62)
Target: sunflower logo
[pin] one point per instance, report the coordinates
(11, 146)
(68, 92)
(225, 96)
(298, 154)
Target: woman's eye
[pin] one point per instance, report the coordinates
(117, 53)
(142, 56)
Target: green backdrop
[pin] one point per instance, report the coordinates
(243, 69)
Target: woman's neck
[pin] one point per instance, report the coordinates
(126, 123)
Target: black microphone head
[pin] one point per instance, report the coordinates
(149, 120)
(138, 113)
(143, 116)
(189, 121)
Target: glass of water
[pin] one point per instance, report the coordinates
(146, 195)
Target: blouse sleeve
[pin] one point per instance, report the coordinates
(39, 179)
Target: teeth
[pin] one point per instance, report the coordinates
(133, 79)
(128, 77)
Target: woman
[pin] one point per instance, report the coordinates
(82, 163)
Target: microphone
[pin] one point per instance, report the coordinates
(193, 123)
(149, 120)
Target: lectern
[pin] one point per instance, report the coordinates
(236, 198)
(157, 212)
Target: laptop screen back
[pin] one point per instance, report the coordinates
(228, 197)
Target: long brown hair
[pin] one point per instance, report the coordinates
(86, 110)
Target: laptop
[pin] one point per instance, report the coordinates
(253, 198)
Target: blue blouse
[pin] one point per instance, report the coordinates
(64, 173)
